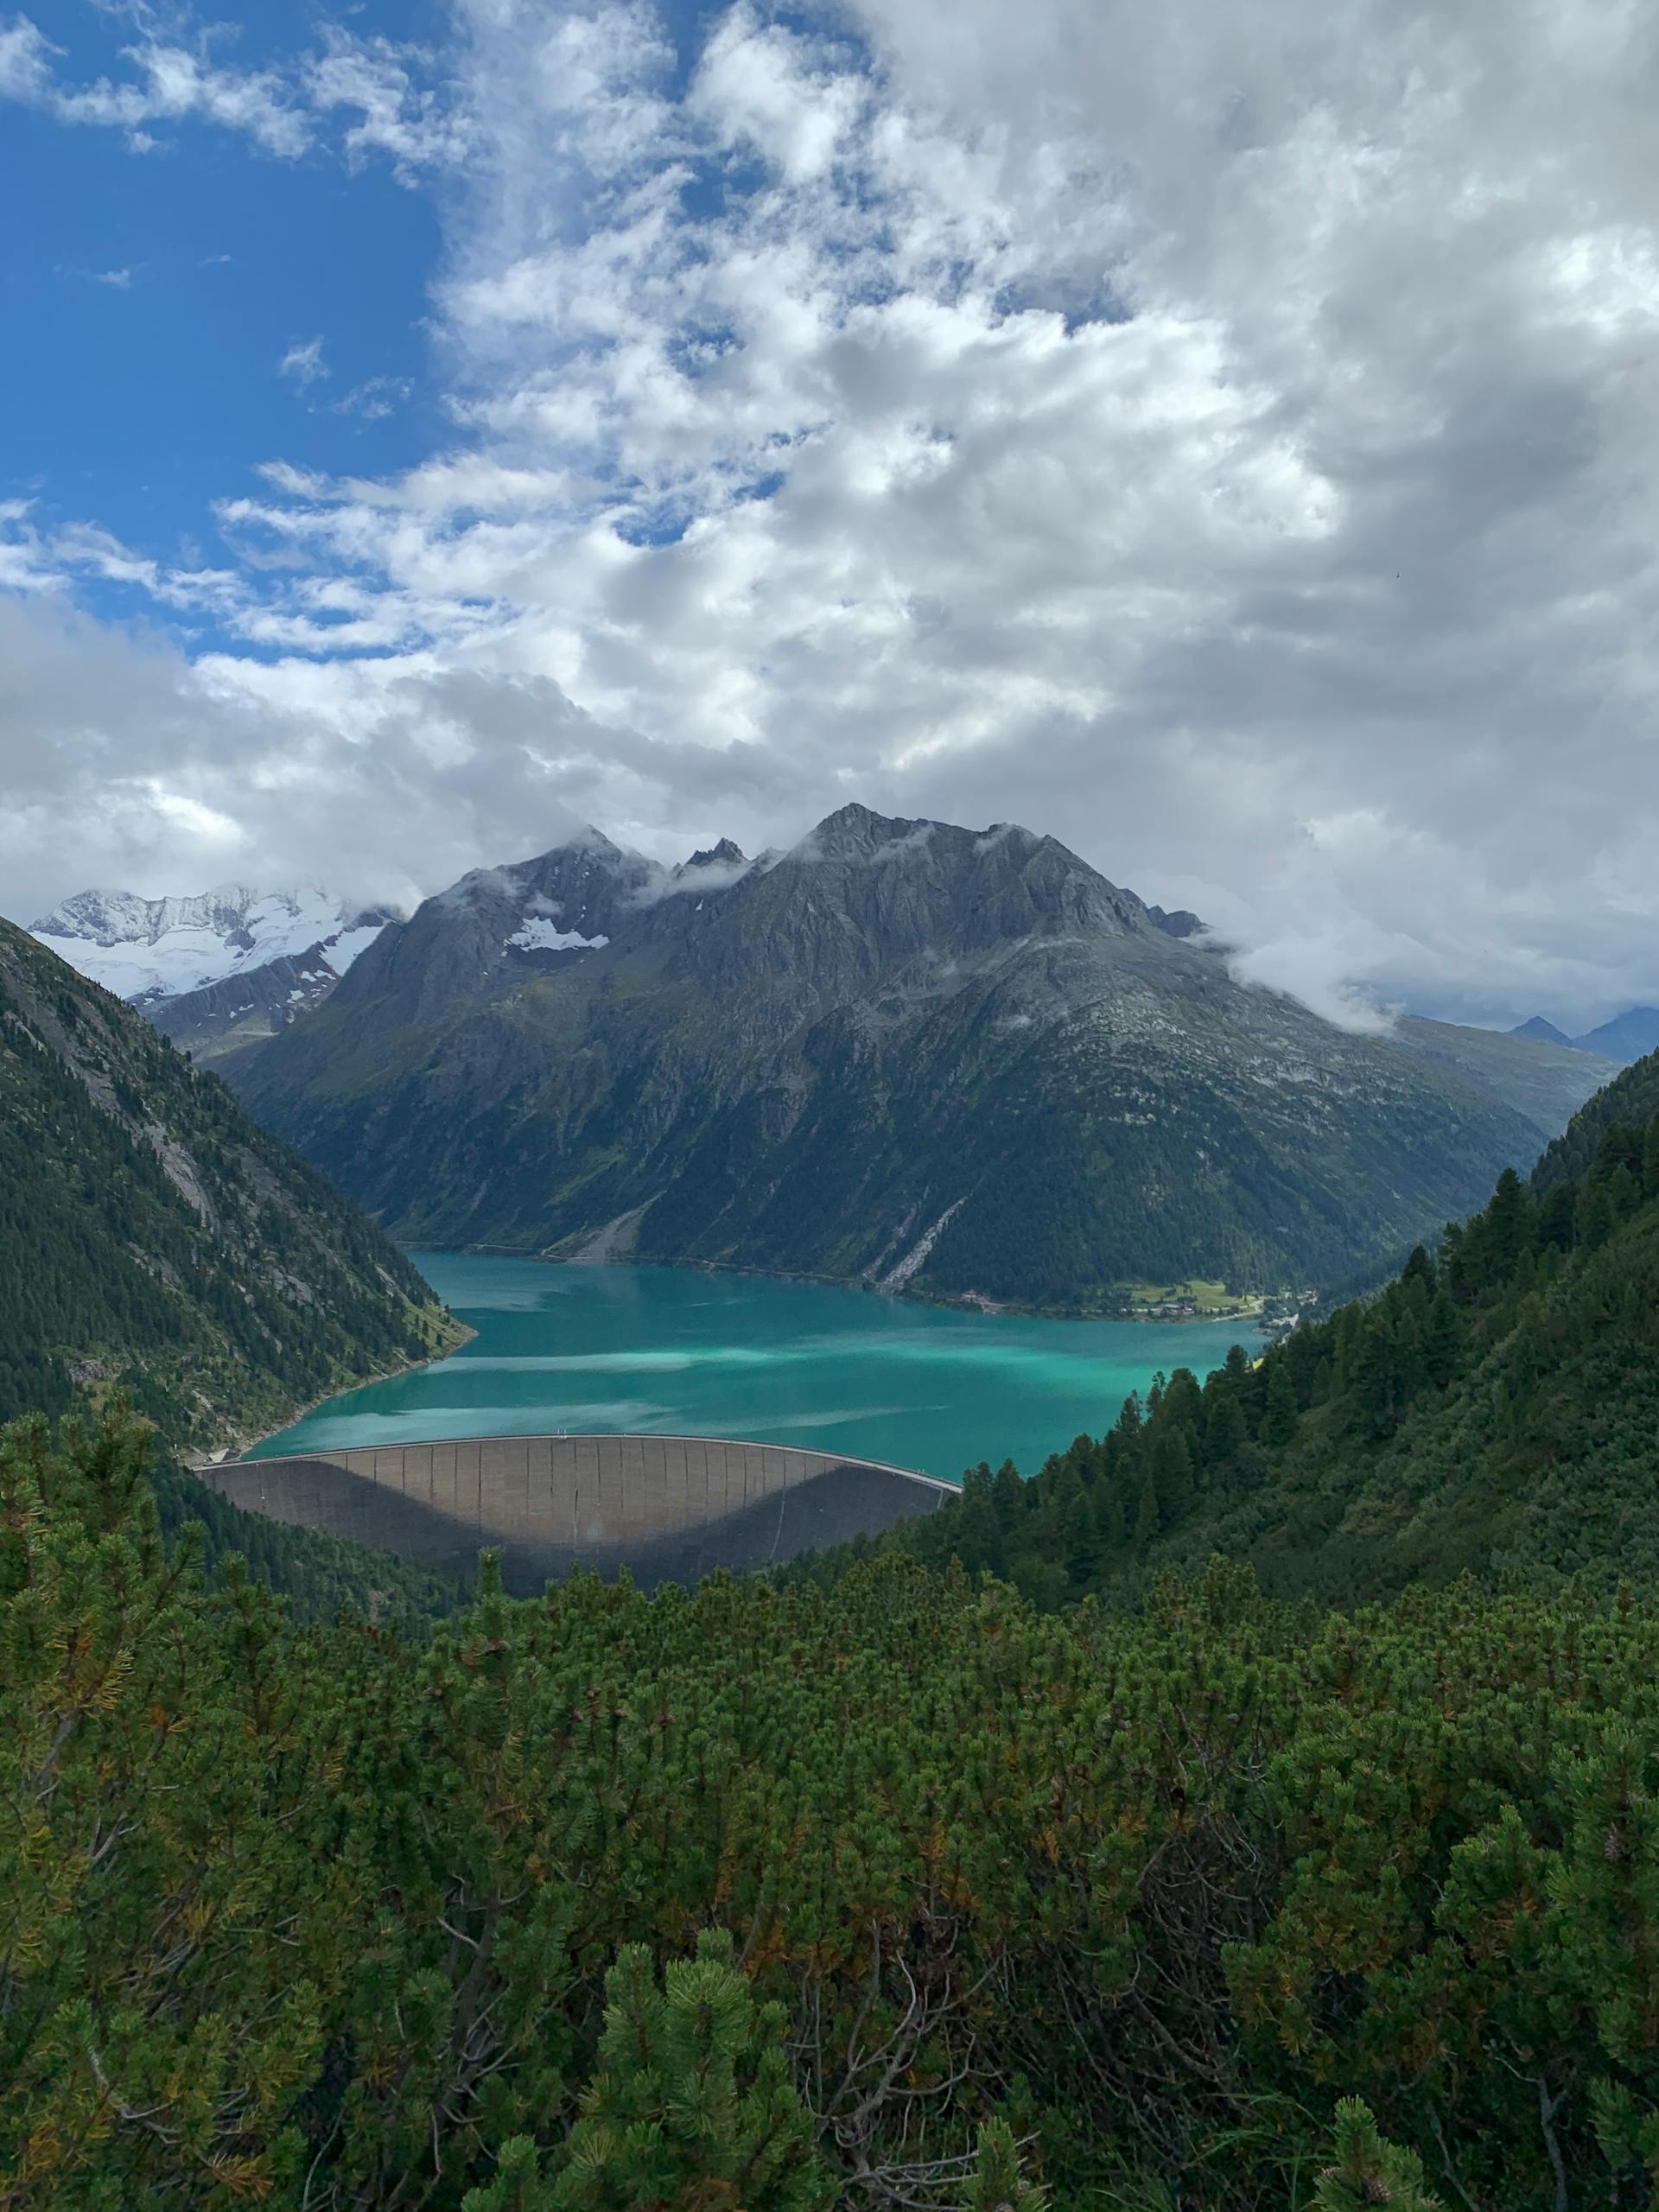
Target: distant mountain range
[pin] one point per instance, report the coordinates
(1627, 1038)
(155, 1242)
(214, 972)
(904, 1052)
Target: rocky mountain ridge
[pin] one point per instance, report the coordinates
(904, 1052)
(1629, 1037)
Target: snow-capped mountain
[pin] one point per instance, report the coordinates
(218, 969)
(148, 948)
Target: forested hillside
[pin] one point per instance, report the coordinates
(1495, 1408)
(154, 1241)
(786, 1898)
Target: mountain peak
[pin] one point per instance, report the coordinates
(1537, 1031)
(723, 854)
(150, 949)
(854, 831)
(587, 838)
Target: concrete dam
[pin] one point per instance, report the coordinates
(670, 1509)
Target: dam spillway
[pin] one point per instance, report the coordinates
(670, 1509)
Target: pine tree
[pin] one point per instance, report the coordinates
(1594, 1224)
(1371, 1377)
(692, 2104)
(1624, 1192)
(1172, 1477)
(998, 2185)
(1411, 1349)
(1110, 1527)
(1442, 1341)
(1279, 1421)
(978, 1535)
(1183, 1403)
(1010, 1496)
(1557, 1225)
(1224, 1428)
(1078, 1537)
(1508, 1227)
(1146, 1516)
(1367, 2172)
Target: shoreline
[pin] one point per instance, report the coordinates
(192, 1461)
(968, 1301)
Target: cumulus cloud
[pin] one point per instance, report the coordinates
(1224, 437)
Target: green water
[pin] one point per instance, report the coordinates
(680, 1352)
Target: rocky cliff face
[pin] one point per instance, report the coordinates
(905, 1052)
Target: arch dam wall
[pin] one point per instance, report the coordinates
(670, 1509)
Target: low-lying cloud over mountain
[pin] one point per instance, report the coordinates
(1229, 433)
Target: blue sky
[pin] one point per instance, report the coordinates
(161, 289)
(1226, 435)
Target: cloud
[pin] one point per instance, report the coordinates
(1228, 440)
(375, 398)
(119, 280)
(418, 127)
(283, 110)
(26, 59)
(170, 84)
(303, 362)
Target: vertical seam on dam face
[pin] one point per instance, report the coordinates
(668, 1508)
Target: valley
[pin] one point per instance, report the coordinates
(1216, 1731)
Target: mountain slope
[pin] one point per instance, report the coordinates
(1497, 1408)
(1628, 1036)
(1545, 1081)
(902, 1052)
(1631, 1096)
(255, 1002)
(152, 1238)
(217, 971)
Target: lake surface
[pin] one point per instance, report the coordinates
(681, 1352)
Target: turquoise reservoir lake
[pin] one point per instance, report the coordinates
(680, 1352)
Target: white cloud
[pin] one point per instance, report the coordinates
(119, 280)
(418, 127)
(376, 397)
(283, 110)
(1226, 438)
(26, 56)
(303, 362)
(172, 85)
